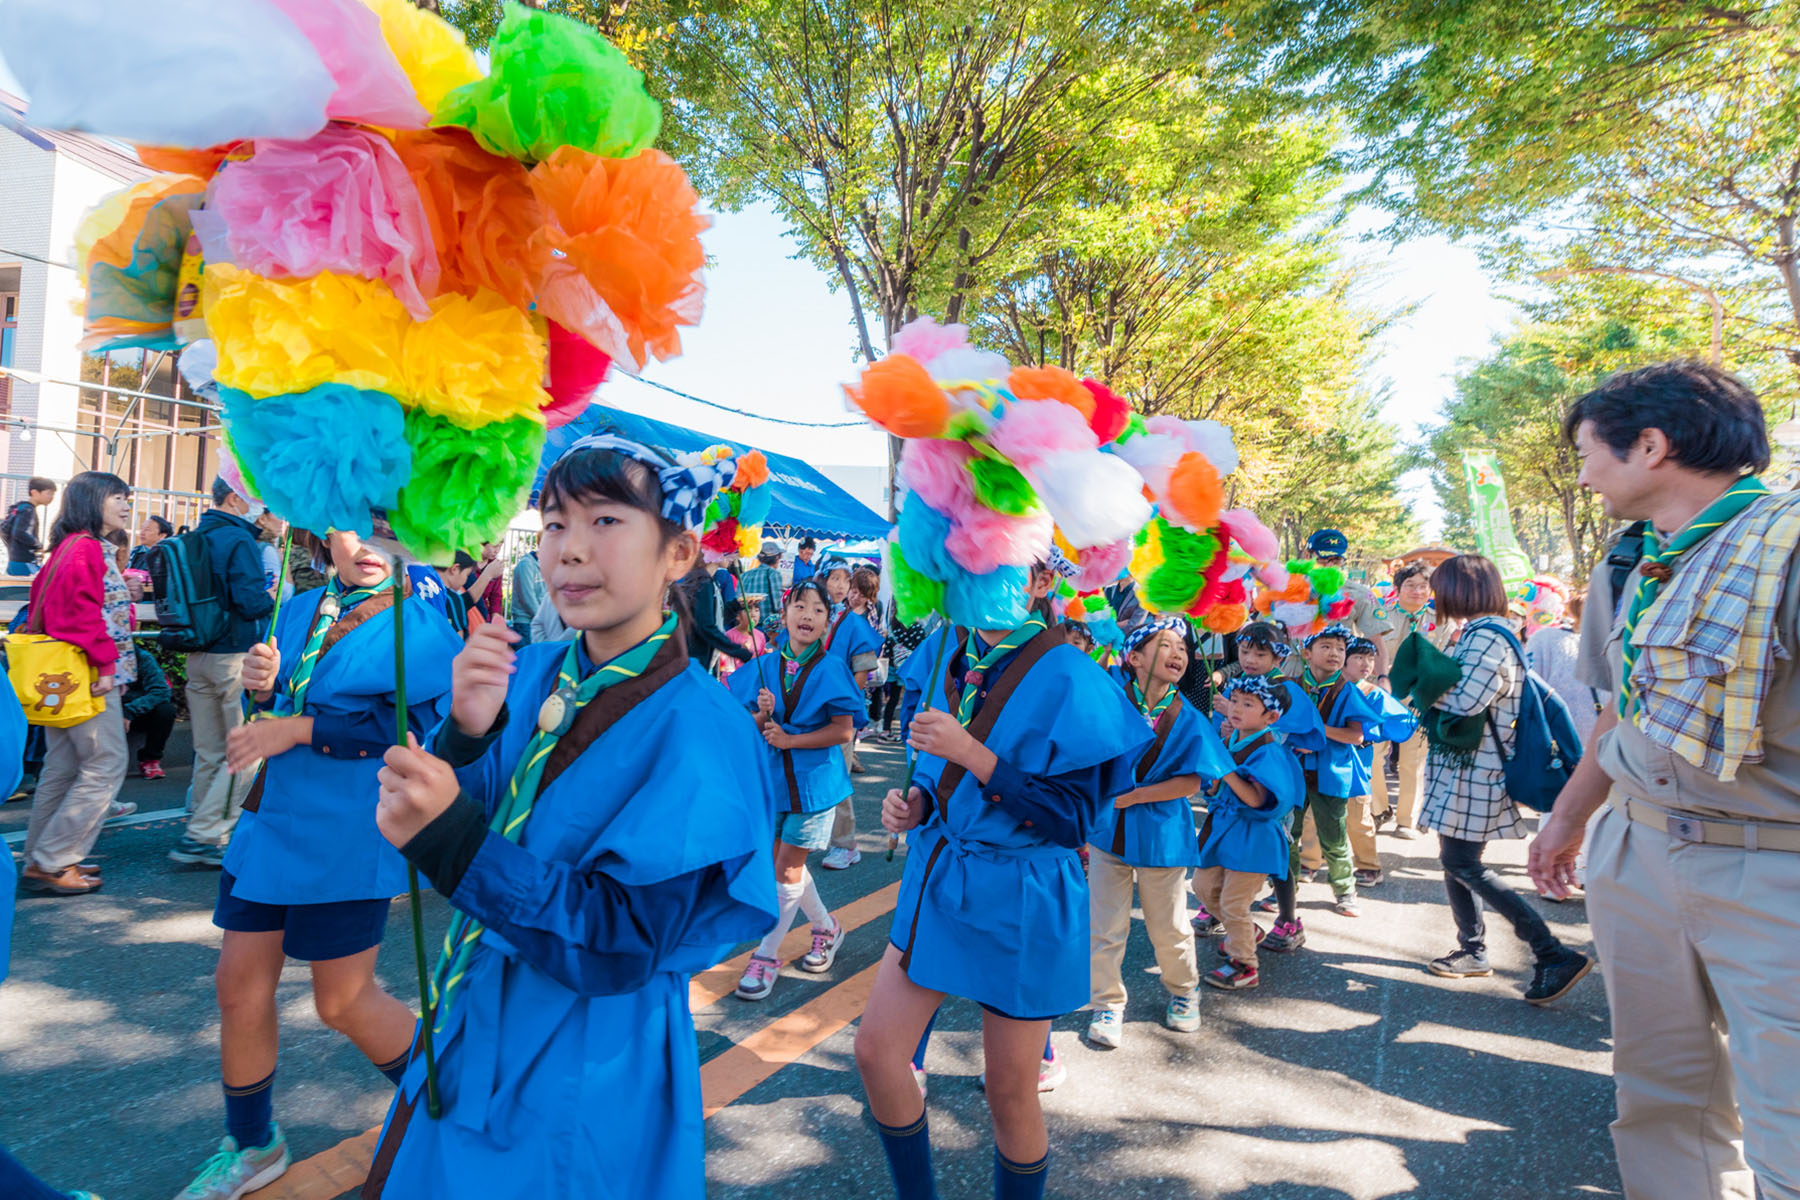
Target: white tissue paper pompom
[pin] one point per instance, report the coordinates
(1095, 498)
(968, 364)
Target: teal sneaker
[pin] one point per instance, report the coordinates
(234, 1172)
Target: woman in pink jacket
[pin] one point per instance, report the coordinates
(81, 598)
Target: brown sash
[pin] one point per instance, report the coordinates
(984, 721)
(1328, 698)
(1164, 725)
(961, 635)
(342, 628)
(788, 697)
(590, 724)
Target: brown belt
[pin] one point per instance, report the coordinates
(1714, 831)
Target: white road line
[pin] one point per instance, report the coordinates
(142, 818)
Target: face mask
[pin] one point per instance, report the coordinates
(257, 509)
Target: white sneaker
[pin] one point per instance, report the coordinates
(1408, 832)
(759, 978)
(1106, 1029)
(1051, 1073)
(1183, 1015)
(234, 1172)
(825, 943)
(120, 808)
(840, 857)
(919, 1078)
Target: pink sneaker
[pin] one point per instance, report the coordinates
(824, 950)
(1286, 936)
(152, 769)
(759, 978)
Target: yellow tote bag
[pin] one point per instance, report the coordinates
(53, 679)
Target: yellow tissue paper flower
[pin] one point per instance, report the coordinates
(475, 359)
(431, 51)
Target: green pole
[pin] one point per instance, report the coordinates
(426, 1015)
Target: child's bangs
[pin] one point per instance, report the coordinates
(601, 477)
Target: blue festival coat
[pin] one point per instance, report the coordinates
(1162, 834)
(1241, 838)
(12, 754)
(1394, 723)
(313, 838)
(851, 636)
(568, 1063)
(991, 907)
(1335, 762)
(821, 780)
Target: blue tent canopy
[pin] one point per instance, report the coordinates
(805, 502)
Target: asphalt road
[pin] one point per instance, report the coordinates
(1351, 1073)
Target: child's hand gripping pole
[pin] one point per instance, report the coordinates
(912, 762)
(250, 713)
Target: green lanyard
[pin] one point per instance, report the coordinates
(1737, 498)
(333, 604)
(965, 707)
(554, 719)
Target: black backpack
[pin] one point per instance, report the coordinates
(189, 605)
(1546, 748)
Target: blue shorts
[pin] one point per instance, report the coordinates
(309, 932)
(808, 831)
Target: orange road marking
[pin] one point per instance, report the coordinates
(710, 987)
(725, 1078)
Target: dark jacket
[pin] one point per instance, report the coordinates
(708, 633)
(21, 533)
(151, 688)
(238, 570)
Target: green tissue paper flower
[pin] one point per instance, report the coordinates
(554, 82)
(466, 484)
(916, 596)
(1001, 487)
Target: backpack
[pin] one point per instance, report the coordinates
(1546, 748)
(189, 606)
(1624, 560)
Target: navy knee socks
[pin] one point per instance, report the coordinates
(250, 1113)
(908, 1151)
(1019, 1181)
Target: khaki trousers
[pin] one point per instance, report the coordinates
(215, 696)
(1162, 891)
(1411, 779)
(1227, 896)
(84, 765)
(1697, 941)
(843, 826)
(1359, 825)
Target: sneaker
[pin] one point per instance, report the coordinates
(1286, 936)
(120, 808)
(840, 857)
(232, 1172)
(824, 948)
(198, 854)
(151, 769)
(1346, 905)
(1234, 976)
(1183, 1015)
(759, 978)
(1551, 981)
(27, 786)
(1205, 924)
(1307, 875)
(1368, 878)
(1051, 1074)
(919, 1078)
(1464, 964)
(1384, 817)
(1409, 833)
(1105, 1029)
(1268, 904)
(1262, 935)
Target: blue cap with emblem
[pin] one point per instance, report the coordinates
(1328, 543)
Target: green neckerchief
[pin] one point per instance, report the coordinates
(802, 658)
(332, 605)
(1137, 698)
(1737, 498)
(559, 710)
(965, 707)
(1315, 686)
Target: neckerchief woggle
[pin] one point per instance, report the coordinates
(555, 718)
(1737, 498)
(974, 676)
(332, 605)
(1151, 711)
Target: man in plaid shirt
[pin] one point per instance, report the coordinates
(1692, 864)
(764, 580)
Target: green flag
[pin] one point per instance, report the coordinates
(1494, 535)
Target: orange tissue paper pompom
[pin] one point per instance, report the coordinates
(628, 230)
(179, 161)
(1225, 618)
(1195, 492)
(752, 471)
(1264, 602)
(899, 394)
(1051, 383)
(482, 213)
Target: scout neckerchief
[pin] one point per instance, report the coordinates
(1151, 711)
(1412, 618)
(558, 713)
(1323, 692)
(974, 676)
(1657, 566)
(336, 601)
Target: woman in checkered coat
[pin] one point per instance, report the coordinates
(1465, 790)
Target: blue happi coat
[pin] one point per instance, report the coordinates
(1242, 838)
(990, 907)
(820, 779)
(851, 636)
(12, 752)
(1161, 834)
(1394, 722)
(1335, 762)
(313, 838)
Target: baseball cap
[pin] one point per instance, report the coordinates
(1329, 543)
(770, 549)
